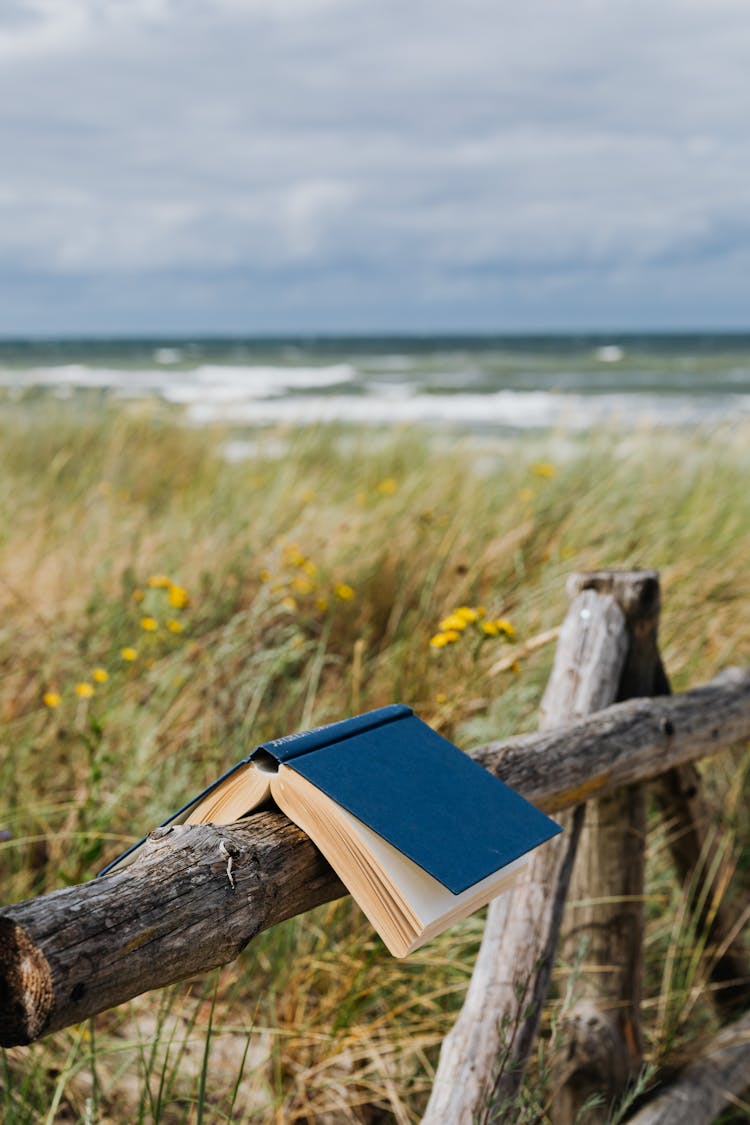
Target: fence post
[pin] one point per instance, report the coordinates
(484, 1056)
(603, 1047)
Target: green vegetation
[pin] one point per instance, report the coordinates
(164, 607)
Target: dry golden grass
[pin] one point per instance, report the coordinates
(316, 573)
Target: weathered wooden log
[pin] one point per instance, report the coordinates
(632, 741)
(74, 952)
(712, 1083)
(602, 1038)
(173, 913)
(485, 1054)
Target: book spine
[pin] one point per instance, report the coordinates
(293, 745)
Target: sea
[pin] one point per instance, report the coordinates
(503, 384)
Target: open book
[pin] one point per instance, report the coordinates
(419, 833)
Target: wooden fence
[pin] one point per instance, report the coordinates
(608, 727)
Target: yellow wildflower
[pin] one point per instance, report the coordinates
(321, 604)
(515, 668)
(387, 487)
(52, 699)
(453, 621)
(302, 584)
(138, 595)
(467, 613)
(265, 575)
(499, 627)
(526, 495)
(289, 603)
(100, 675)
(129, 653)
(150, 624)
(441, 697)
(84, 690)
(178, 596)
(310, 568)
(543, 469)
(174, 626)
(344, 592)
(448, 637)
(159, 582)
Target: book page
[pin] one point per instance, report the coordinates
(403, 902)
(239, 794)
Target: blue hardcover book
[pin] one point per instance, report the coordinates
(420, 833)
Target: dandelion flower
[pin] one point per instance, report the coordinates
(490, 629)
(100, 675)
(149, 624)
(387, 487)
(448, 637)
(310, 568)
(84, 690)
(453, 623)
(467, 613)
(504, 626)
(129, 653)
(441, 697)
(178, 596)
(344, 592)
(138, 595)
(543, 469)
(52, 699)
(321, 604)
(159, 582)
(174, 626)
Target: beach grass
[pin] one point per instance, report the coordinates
(165, 606)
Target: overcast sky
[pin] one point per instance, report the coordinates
(270, 166)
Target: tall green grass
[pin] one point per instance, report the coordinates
(316, 571)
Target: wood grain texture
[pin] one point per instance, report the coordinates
(602, 1042)
(174, 912)
(485, 1055)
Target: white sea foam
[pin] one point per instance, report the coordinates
(168, 355)
(610, 353)
(515, 409)
(222, 383)
(218, 383)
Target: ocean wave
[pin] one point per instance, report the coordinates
(512, 409)
(209, 382)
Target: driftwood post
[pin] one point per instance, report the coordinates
(67, 955)
(603, 1048)
(484, 1056)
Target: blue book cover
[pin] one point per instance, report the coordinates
(418, 791)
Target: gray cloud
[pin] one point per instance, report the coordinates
(345, 164)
